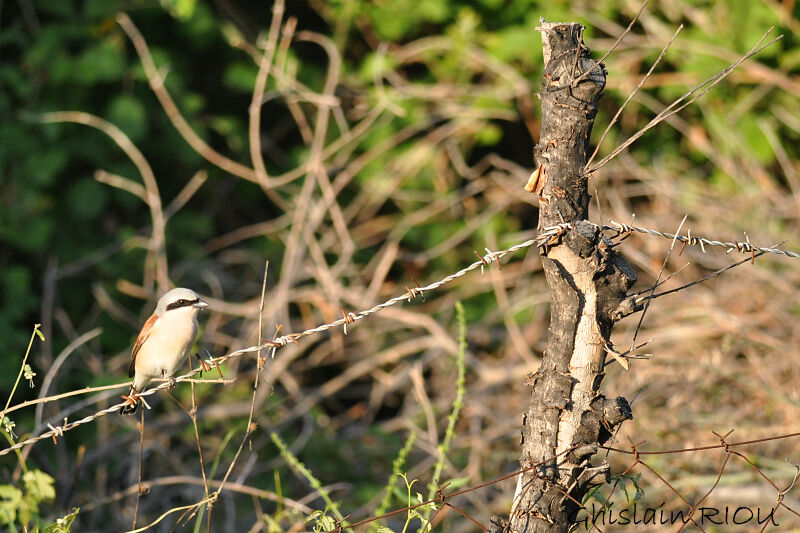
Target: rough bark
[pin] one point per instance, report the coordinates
(568, 416)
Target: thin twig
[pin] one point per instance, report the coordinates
(250, 428)
(633, 93)
(254, 128)
(156, 245)
(652, 290)
(599, 62)
(193, 416)
(698, 281)
(156, 81)
(674, 108)
(186, 193)
(169, 512)
(52, 372)
(189, 480)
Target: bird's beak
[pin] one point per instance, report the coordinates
(200, 304)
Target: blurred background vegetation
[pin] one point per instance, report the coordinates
(399, 134)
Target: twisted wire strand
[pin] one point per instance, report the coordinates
(275, 344)
(548, 236)
(739, 246)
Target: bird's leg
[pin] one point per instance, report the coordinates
(205, 366)
(172, 383)
(133, 396)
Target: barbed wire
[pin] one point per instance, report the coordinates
(738, 246)
(442, 498)
(273, 345)
(547, 237)
(551, 233)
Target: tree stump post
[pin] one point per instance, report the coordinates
(568, 417)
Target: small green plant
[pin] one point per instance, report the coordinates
(397, 467)
(416, 508)
(420, 509)
(322, 521)
(621, 482)
(452, 419)
(20, 506)
(63, 524)
(301, 469)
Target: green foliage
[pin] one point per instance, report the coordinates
(295, 464)
(63, 524)
(20, 507)
(397, 471)
(458, 403)
(618, 483)
(322, 521)
(26, 371)
(181, 9)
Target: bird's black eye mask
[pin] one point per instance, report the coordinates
(182, 303)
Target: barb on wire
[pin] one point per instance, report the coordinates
(639, 299)
(551, 234)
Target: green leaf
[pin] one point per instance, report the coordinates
(327, 522)
(457, 482)
(489, 135)
(10, 502)
(44, 169)
(755, 140)
(39, 486)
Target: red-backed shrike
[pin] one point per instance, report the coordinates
(164, 342)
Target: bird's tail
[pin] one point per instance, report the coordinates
(130, 408)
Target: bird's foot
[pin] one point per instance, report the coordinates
(203, 365)
(131, 401)
(172, 383)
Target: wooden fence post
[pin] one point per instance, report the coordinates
(568, 417)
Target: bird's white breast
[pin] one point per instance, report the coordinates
(167, 346)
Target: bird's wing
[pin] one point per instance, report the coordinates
(143, 335)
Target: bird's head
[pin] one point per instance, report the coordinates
(180, 300)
